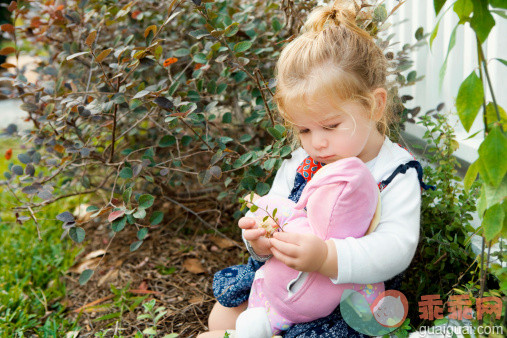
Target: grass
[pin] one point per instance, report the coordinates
(31, 283)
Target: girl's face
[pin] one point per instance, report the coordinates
(349, 132)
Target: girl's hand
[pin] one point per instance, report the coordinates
(302, 252)
(255, 236)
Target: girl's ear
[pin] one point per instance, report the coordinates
(380, 95)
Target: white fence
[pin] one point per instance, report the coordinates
(462, 60)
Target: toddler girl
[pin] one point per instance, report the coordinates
(331, 90)
(339, 202)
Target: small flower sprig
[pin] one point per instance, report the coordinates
(247, 202)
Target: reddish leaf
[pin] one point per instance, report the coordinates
(13, 6)
(169, 61)
(59, 148)
(135, 14)
(7, 27)
(35, 22)
(7, 50)
(115, 214)
(8, 154)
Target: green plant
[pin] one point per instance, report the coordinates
(140, 102)
(32, 281)
(123, 301)
(491, 165)
(446, 212)
(154, 315)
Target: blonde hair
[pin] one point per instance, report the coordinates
(332, 57)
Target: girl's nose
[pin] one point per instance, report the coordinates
(319, 141)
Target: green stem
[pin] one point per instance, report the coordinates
(479, 59)
(484, 64)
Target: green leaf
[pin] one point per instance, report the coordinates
(146, 201)
(262, 188)
(380, 13)
(200, 58)
(92, 208)
(434, 33)
(493, 221)
(127, 194)
(167, 141)
(227, 118)
(419, 33)
(438, 4)
(286, 150)
(156, 217)
(181, 52)
(471, 175)
(140, 213)
(491, 195)
(411, 76)
(119, 224)
(231, 29)
(498, 3)
(493, 162)
(502, 61)
(275, 132)
(77, 234)
(242, 160)
(242, 46)
(503, 14)
(482, 21)
(126, 173)
(141, 234)
(269, 164)
(85, 276)
(134, 246)
(463, 8)
(171, 335)
(150, 330)
(469, 100)
(491, 115)
(452, 43)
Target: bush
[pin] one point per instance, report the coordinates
(444, 257)
(144, 104)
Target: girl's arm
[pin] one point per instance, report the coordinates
(374, 258)
(388, 250)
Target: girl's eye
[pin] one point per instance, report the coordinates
(304, 131)
(332, 126)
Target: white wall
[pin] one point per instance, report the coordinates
(461, 62)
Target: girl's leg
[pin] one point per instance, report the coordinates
(223, 318)
(212, 334)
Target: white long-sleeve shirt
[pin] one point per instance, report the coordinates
(388, 250)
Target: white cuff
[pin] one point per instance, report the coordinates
(344, 262)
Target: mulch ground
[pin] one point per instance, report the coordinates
(174, 266)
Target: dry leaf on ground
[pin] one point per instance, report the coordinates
(193, 265)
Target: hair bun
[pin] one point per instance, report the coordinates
(340, 12)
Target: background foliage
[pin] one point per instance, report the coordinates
(141, 103)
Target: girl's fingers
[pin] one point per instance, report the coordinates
(247, 223)
(253, 234)
(288, 237)
(287, 249)
(282, 258)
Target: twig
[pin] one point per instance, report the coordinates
(200, 219)
(257, 72)
(32, 215)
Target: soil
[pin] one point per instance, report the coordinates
(174, 265)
